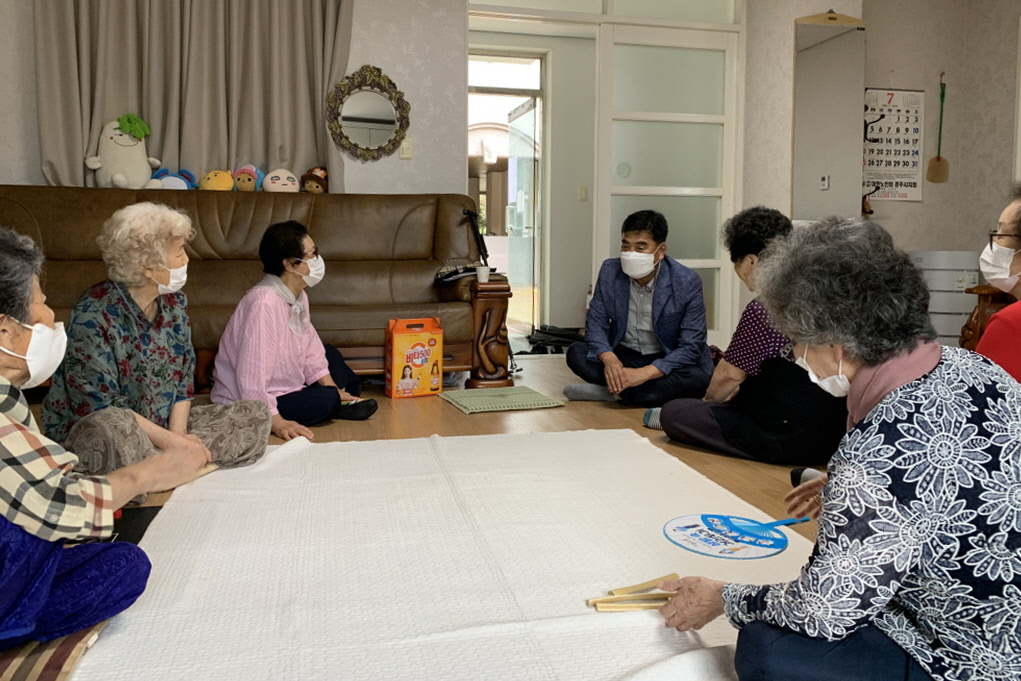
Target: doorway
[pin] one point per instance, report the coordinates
(505, 97)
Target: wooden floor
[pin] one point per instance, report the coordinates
(759, 484)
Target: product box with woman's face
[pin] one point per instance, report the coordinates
(414, 357)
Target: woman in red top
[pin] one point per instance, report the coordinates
(1001, 265)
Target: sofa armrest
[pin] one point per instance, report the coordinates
(460, 290)
(490, 350)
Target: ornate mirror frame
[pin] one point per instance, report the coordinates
(373, 79)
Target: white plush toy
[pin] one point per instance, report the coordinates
(280, 180)
(121, 159)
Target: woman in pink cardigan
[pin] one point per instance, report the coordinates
(271, 352)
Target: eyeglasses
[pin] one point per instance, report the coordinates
(1001, 235)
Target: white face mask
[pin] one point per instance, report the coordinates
(836, 385)
(178, 277)
(637, 265)
(316, 271)
(995, 262)
(45, 352)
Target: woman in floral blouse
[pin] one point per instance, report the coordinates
(916, 571)
(129, 372)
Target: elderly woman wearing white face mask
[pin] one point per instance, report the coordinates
(916, 572)
(271, 352)
(47, 590)
(1001, 265)
(128, 379)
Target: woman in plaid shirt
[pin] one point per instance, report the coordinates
(47, 590)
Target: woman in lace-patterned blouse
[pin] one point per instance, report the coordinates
(916, 571)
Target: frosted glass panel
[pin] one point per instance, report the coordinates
(668, 79)
(714, 11)
(694, 223)
(711, 293)
(667, 154)
(589, 6)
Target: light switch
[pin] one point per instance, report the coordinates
(407, 150)
(583, 193)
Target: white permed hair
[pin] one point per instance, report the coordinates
(136, 237)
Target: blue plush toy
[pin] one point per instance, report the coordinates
(182, 179)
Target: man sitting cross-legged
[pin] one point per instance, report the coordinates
(645, 332)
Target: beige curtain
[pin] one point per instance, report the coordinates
(221, 83)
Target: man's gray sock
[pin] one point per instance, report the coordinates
(588, 392)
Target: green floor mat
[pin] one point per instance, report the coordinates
(499, 399)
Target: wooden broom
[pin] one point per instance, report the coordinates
(939, 168)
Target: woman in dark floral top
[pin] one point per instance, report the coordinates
(129, 369)
(759, 405)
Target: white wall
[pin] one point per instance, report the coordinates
(19, 134)
(571, 107)
(988, 88)
(423, 47)
(908, 43)
(769, 95)
(829, 80)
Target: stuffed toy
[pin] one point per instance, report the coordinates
(248, 178)
(120, 160)
(315, 181)
(280, 180)
(182, 179)
(218, 181)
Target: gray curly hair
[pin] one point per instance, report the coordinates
(135, 239)
(843, 281)
(21, 261)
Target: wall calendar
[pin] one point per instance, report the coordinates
(894, 139)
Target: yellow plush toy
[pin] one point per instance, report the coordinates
(217, 180)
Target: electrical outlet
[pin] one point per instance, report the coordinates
(407, 150)
(824, 183)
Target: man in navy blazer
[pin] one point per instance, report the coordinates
(645, 333)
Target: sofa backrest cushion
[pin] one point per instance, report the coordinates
(379, 249)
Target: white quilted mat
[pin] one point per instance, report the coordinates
(440, 558)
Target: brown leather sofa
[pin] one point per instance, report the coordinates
(382, 254)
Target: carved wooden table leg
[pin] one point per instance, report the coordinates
(990, 301)
(489, 347)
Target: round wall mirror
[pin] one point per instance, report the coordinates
(368, 118)
(367, 115)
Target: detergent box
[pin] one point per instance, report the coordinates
(414, 357)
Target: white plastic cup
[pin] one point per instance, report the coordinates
(482, 274)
